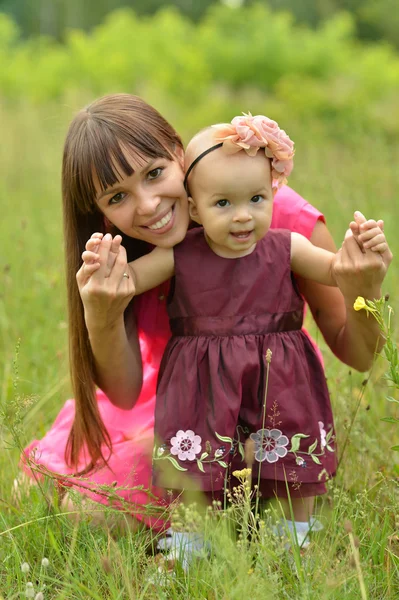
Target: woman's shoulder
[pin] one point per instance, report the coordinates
(291, 211)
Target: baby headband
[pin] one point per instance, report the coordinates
(251, 133)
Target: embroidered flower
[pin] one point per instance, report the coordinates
(161, 450)
(269, 445)
(299, 461)
(220, 451)
(323, 434)
(186, 445)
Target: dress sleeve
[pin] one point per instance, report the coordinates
(291, 211)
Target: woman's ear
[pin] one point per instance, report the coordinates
(193, 211)
(179, 153)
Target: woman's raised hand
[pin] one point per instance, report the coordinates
(104, 281)
(363, 259)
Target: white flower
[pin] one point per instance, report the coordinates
(299, 460)
(29, 591)
(160, 451)
(186, 445)
(39, 596)
(269, 445)
(323, 434)
(45, 562)
(25, 567)
(218, 453)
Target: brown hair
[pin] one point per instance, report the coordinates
(94, 149)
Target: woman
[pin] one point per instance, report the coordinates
(123, 173)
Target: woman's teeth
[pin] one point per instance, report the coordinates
(162, 222)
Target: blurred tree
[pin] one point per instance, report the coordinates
(53, 17)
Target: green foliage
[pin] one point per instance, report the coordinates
(249, 52)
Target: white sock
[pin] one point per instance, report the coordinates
(302, 529)
(183, 546)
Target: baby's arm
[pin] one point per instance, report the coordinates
(317, 264)
(152, 269)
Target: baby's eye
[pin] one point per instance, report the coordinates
(256, 199)
(117, 198)
(155, 173)
(222, 203)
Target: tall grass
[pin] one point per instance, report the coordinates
(356, 554)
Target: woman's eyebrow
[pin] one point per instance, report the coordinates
(106, 192)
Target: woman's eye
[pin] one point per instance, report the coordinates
(117, 198)
(256, 199)
(154, 173)
(222, 203)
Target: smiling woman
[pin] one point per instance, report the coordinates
(150, 201)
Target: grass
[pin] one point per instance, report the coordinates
(355, 556)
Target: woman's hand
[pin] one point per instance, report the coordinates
(104, 282)
(363, 260)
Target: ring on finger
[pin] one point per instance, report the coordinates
(126, 275)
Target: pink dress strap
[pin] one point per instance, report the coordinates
(291, 211)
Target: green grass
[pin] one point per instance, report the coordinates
(338, 173)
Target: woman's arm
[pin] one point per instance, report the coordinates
(105, 295)
(351, 336)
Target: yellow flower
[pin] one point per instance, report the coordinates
(360, 303)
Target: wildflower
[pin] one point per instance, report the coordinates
(360, 303)
(268, 356)
(29, 591)
(25, 567)
(39, 596)
(243, 475)
(45, 562)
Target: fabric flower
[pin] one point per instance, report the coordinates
(323, 434)
(251, 133)
(269, 445)
(186, 445)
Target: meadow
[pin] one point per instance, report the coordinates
(339, 167)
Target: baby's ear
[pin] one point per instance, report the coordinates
(192, 209)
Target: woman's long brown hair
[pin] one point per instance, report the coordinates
(95, 150)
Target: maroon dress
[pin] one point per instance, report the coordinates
(226, 315)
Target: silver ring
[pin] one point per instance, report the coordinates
(126, 275)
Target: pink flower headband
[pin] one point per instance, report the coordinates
(251, 133)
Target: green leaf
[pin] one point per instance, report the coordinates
(241, 450)
(175, 463)
(389, 420)
(312, 448)
(315, 459)
(222, 463)
(200, 466)
(295, 441)
(396, 448)
(329, 448)
(204, 455)
(224, 438)
(390, 399)
(301, 435)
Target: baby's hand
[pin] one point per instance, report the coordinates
(91, 258)
(369, 234)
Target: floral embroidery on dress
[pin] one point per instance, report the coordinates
(323, 435)
(185, 445)
(270, 445)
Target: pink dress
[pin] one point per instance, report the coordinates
(132, 432)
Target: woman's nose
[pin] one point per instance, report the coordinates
(147, 202)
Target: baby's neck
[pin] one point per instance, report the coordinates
(225, 252)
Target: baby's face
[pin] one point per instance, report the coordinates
(231, 196)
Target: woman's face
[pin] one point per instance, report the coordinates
(150, 204)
